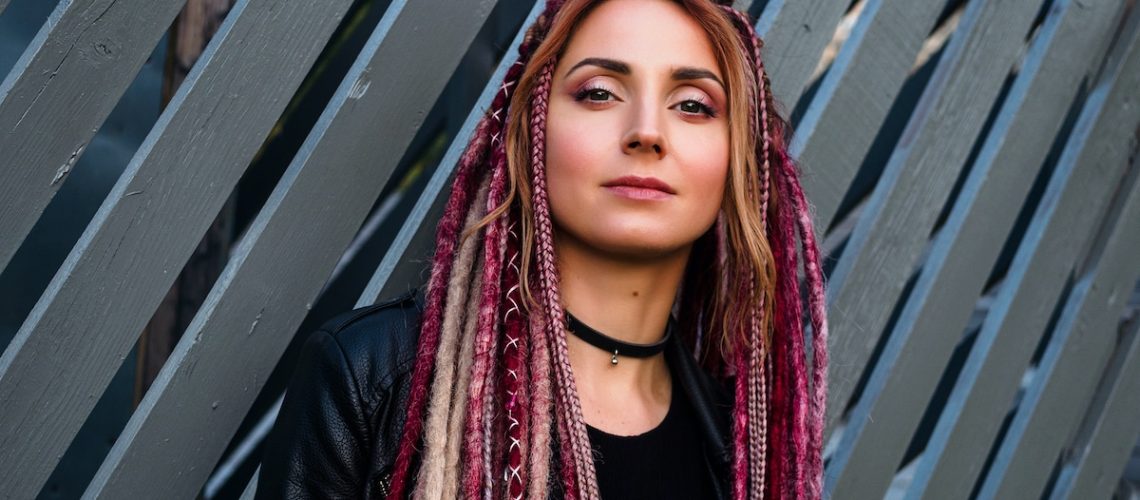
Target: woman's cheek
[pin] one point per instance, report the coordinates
(707, 158)
(568, 173)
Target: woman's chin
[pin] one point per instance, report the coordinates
(628, 240)
(642, 247)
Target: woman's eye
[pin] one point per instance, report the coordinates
(598, 95)
(693, 106)
(594, 95)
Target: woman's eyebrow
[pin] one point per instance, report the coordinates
(610, 64)
(683, 73)
(689, 73)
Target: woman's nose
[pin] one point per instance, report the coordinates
(645, 135)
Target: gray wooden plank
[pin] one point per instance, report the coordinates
(1086, 176)
(1110, 431)
(795, 33)
(93, 310)
(892, 231)
(1067, 374)
(853, 99)
(942, 300)
(407, 260)
(84, 45)
(251, 489)
(189, 415)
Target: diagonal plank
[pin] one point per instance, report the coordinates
(853, 99)
(84, 45)
(892, 232)
(1067, 374)
(75, 338)
(943, 298)
(795, 32)
(1113, 425)
(189, 414)
(406, 260)
(1087, 174)
(250, 490)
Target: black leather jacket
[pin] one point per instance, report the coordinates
(343, 412)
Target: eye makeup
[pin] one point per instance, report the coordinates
(591, 90)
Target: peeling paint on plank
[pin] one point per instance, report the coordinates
(66, 167)
(359, 88)
(256, 320)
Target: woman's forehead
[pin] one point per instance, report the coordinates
(648, 35)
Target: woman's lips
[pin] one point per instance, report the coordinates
(640, 188)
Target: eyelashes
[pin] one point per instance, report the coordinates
(598, 93)
(593, 91)
(702, 106)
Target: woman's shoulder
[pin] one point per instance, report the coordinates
(336, 416)
(378, 342)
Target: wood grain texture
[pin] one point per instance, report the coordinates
(1086, 176)
(893, 228)
(189, 34)
(938, 308)
(1110, 429)
(852, 101)
(795, 33)
(74, 340)
(84, 45)
(404, 265)
(276, 272)
(1067, 375)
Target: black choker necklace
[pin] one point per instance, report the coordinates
(610, 344)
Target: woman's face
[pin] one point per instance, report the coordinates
(637, 136)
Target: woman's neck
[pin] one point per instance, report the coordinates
(627, 299)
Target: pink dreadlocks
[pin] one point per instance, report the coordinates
(493, 393)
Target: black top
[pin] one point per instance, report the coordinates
(664, 462)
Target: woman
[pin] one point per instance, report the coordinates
(613, 308)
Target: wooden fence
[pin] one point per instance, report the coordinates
(974, 164)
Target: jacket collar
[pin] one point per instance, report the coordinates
(712, 404)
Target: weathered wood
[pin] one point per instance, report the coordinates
(403, 266)
(251, 489)
(188, 36)
(193, 29)
(1087, 174)
(938, 308)
(1110, 428)
(893, 229)
(91, 314)
(84, 44)
(276, 273)
(1066, 377)
(852, 101)
(795, 33)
